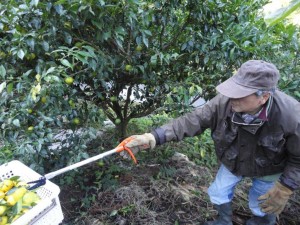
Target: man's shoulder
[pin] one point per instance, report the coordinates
(286, 107)
(284, 99)
(218, 105)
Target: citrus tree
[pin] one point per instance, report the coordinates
(288, 61)
(66, 62)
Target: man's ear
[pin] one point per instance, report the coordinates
(265, 98)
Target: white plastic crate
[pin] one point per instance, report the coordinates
(48, 210)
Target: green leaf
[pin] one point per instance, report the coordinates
(2, 86)
(10, 87)
(148, 32)
(21, 54)
(15, 178)
(47, 119)
(34, 2)
(51, 78)
(145, 40)
(120, 30)
(45, 46)
(183, 47)
(91, 50)
(31, 43)
(17, 207)
(66, 63)
(11, 191)
(106, 35)
(50, 70)
(2, 71)
(153, 59)
(68, 38)
(16, 122)
(85, 54)
(119, 43)
(231, 54)
(297, 94)
(113, 213)
(206, 59)
(191, 90)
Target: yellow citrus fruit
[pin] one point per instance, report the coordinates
(139, 48)
(44, 99)
(29, 111)
(2, 209)
(2, 194)
(69, 80)
(67, 25)
(113, 98)
(5, 28)
(128, 67)
(11, 201)
(21, 183)
(19, 193)
(76, 121)
(16, 217)
(7, 185)
(30, 197)
(27, 56)
(24, 210)
(2, 55)
(71, 103)
(31, 128)
(3, 220)
(78, 44)
(32, 55)
(101, 163)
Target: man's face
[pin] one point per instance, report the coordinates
(250, 104)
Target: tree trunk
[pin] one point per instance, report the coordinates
(121, 130)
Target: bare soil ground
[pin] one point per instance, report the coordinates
(153, 194)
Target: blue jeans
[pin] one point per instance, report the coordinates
(222, 189)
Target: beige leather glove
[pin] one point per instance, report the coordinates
(138, 143)
(275, 199)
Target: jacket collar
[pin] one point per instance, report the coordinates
(237, 119)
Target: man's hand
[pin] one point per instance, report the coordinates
(275, 199)
(139, 142)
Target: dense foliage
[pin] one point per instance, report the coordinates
(68, 64)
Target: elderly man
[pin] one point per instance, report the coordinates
(256, 131)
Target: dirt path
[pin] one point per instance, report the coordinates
(169, 194)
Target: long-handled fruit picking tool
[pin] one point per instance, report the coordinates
(121, 147)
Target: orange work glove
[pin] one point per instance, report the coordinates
(138, 143)
(275, 199)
